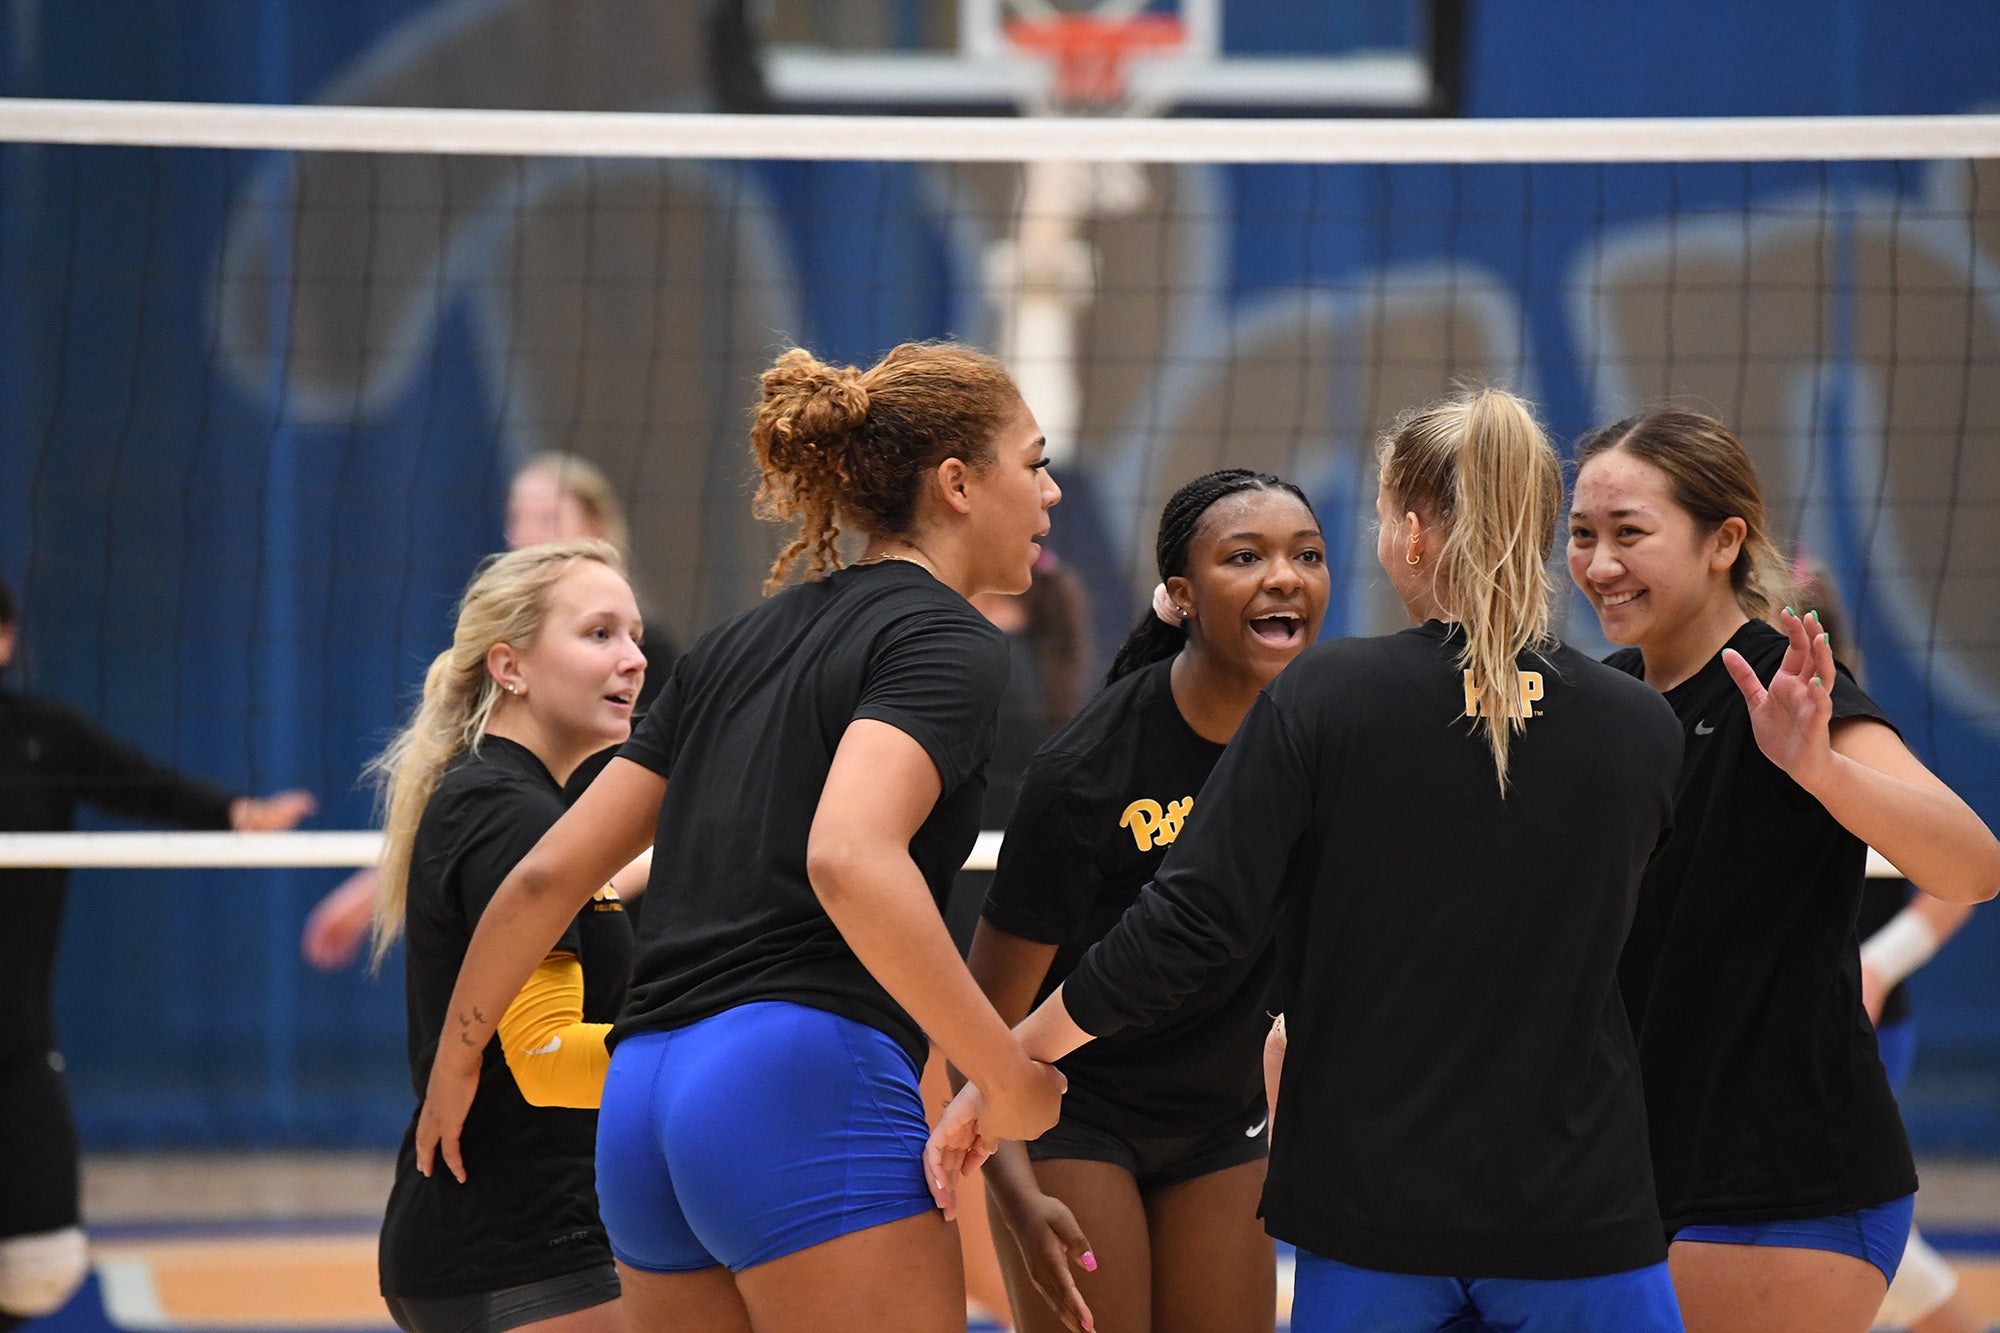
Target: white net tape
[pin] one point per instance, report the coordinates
(995, 139)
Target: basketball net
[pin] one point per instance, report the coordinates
(1089, 53)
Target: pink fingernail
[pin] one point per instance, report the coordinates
(1088, 1262)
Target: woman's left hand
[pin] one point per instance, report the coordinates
(957, 1147)
(1791, 716)
(447, 1100)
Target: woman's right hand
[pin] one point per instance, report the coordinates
(1050, 1241)
(1027, 1105)
(972, 1126)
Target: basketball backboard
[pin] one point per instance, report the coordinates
(1232, 57)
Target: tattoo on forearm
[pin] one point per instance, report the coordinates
(465, 1025)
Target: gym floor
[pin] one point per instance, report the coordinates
(287, 1241)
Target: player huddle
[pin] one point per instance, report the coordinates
(1573, 1028)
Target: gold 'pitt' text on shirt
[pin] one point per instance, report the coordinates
(1152, 826)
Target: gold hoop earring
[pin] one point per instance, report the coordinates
(1412, 559)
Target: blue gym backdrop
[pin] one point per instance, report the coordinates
(245, 572)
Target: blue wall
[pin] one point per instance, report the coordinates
(252, 594)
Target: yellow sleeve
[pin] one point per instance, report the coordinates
(556, 1057)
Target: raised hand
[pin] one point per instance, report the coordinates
(1790, 717)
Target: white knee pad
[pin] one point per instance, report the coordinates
(1923, 1283)
(39, 1273)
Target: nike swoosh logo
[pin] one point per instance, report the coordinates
(555, 1044)
(1257, 1128)
(1703, 729)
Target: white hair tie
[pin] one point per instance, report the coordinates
(1164, 608)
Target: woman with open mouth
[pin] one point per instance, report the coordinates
(543, 671)
(1159, 1156)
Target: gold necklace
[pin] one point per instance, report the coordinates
(916, 557)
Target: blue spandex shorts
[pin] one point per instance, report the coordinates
(1331, 1297)
(1876, 1234)
(754, 1134)
(1897, 1043)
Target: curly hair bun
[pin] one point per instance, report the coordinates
(834, 442)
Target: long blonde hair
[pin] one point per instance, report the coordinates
(1480, 466)
(506, 602)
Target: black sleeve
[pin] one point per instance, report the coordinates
(1219, 892)
(1047, 876)
(938, 679)
(504, 828)
(656, 740)
(1850, 700)
(119, 779)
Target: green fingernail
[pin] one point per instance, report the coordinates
(1813, 616)
(1817, 681)
(1790, 612)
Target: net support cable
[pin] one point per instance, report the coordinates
(993, 139)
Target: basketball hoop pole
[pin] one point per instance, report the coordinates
(1044, 277)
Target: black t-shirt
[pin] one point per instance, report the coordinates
(1765, 1093)
(1461, 1095)
(53, 759)
(1099, 807)
(745, 732)
(1882, 900)
(528, 1208)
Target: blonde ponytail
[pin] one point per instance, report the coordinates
(1481, 468)
(506, 602)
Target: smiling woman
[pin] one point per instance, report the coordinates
(1160, 1150)
(1742, 973)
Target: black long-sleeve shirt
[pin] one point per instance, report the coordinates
(1461, 1095)
(53, 759)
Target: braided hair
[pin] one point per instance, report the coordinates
(1152, 639)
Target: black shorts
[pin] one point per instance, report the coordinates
(1159, 1160)
(510, 1307)
(38, 1144)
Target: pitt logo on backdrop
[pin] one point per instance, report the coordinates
(1151, 826)
(606, 899)
(1531, 690)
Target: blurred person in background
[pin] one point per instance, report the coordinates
(53, 759)
(554, 497)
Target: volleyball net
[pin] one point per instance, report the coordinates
(266, 374)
